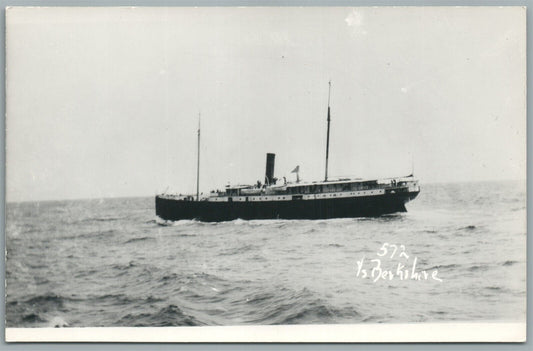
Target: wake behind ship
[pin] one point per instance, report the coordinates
(297, 200)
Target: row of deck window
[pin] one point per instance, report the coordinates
(288, 198)
(325, 188)
(318, 188)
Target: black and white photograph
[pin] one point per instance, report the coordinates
(266, 174)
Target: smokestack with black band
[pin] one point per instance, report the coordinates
(269, 174)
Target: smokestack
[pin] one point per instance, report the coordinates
(269, 174)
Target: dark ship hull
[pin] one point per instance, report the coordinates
(168, 208)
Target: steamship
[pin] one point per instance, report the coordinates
(275, 199)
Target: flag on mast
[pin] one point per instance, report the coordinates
(297, 171)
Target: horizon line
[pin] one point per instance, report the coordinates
(153, 195)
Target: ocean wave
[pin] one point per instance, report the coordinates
(493, 288)
(57, 322)
(90, 235)
(476, 268)
(169, 277)
(260, 298)
(41, 319)
(282, 223)
(302, 312)
(48, 300)
(168, 316)
(123, 267)
(372, 319)
(335, 245)
(206, 277)
(33, 318)
(313, 313)
(37, 310)
(445, 266)
(184, 235)
(237, 250)
(438, 312)
(144, 238)
(113, 299)
(198, 286)
(122, 299)
(277, 223)
(287, 306)
(239, 221)
(103, 219)
(183, 222)
(37, 265)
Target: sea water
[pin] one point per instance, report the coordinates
(458, 254)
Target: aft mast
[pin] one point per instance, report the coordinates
(198, 163)
(327, 140)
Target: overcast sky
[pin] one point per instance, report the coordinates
(104, 102)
